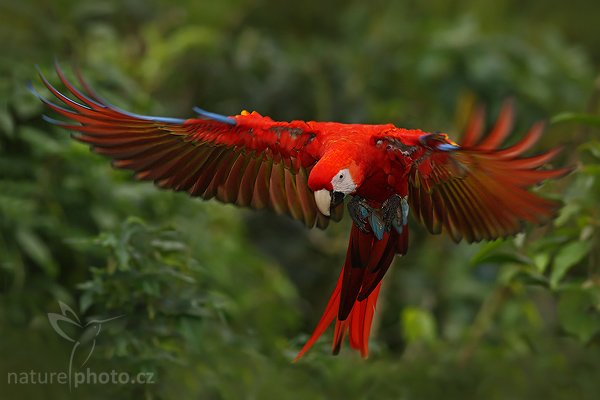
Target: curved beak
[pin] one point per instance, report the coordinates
(327, 200)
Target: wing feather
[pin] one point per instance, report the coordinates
(248, 160)
(476, 191)
(305, 197)
(249, 177)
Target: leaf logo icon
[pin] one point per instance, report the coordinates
(69, 317)
(56, 318)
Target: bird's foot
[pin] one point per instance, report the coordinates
(360, 211)
(393, 214)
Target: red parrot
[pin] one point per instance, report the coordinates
(472, 190)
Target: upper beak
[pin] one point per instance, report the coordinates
(326, 200)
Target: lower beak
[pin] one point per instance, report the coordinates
(326, 200)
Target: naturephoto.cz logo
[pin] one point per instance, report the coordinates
(83, 337)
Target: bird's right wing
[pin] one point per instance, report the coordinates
(247, 160)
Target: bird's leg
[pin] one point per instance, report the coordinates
(360, 211)
(395, 213)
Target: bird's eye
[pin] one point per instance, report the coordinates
(341, 176)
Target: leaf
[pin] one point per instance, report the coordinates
(593, 146)
(593, 169)
(35, 248)
(40, 141)
(485, 252)
(567, 257)
(578, 315)
(526, 276)
(85, 301)
(488, 255)
(168, 245)
(540, 261)
(24, 104)
(581, 118)
(418, 325)
(7, 124)
(566, 212)
(505, 258)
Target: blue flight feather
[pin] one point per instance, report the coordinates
(397, 226)
(54, 121)
(104, 104)
(447, 147)
(364, 212)
(377, 225)
(405, 209)
(214, 116)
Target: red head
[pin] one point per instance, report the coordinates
(333, 177)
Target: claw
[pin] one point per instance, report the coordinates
(359, 211)
(393, 214)
(395, 211)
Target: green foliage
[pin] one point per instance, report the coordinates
(418, 325)
(217, 300)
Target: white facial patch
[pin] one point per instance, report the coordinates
(342, 182)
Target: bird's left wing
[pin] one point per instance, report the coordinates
(248, 160)
(476, 191)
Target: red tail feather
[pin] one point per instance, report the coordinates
(357, 290)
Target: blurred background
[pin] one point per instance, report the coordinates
(216, 301)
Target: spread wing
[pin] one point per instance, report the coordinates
(475, 190)
(248, 160)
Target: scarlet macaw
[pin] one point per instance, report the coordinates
(472, 191)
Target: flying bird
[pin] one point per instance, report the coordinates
(93, 326)
(474, 190)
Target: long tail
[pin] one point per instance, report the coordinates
(354, 298)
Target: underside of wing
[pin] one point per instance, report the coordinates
(476, 191)
(210, 157)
